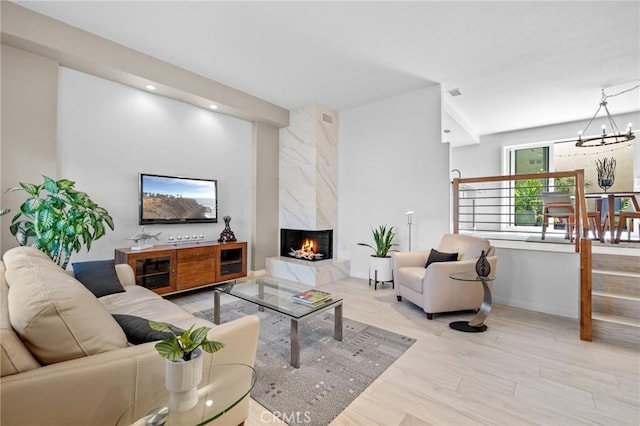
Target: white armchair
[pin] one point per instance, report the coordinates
(431, 288)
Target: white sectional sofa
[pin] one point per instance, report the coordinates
(66, 361)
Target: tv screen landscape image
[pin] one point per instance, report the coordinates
(172, 199)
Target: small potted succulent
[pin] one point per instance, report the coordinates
(183, 367)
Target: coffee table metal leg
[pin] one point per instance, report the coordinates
(295, 344)
(216, 307)
(337, 326)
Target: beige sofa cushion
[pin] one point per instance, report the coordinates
(467, 247)
(144, 303)
(14, 356)
(55, 315)
(26, 257)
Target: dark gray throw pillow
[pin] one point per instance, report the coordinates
(99, 276)
(138, 331)
(438, 256)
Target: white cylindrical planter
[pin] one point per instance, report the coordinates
(381, 268)
(182, 379)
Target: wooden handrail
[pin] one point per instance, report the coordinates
(526, 176)
(582, 245)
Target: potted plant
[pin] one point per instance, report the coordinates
(380, 268)
(58, 219)
(183, 366)
(527, 201)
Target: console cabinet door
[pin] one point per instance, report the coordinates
(154, 270)
(196, 267)
(232, 261)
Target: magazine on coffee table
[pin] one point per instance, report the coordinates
(311, 297)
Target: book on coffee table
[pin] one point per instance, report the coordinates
(311, 297)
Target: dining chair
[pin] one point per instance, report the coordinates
(622, 221)
(558, 204)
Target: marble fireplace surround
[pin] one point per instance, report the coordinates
(308, 200)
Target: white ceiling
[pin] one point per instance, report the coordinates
(518, 64)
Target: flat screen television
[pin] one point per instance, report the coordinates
(173, 199)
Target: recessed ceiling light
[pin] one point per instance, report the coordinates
(455, 92)
(213, 106)
(150, 87)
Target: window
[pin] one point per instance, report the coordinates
(527, 193)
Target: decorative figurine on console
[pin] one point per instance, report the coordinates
(141, 239)
(227, 234)
(483, 268)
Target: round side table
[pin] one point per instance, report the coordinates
(475, 324)
(226, 386)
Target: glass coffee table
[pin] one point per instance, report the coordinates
(475, 324)
(276, 296)
(226, 386)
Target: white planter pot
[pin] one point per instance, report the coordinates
(381, 268)
(182, 379)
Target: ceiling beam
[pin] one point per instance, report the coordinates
(83, 51)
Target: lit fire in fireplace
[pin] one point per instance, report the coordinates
(307, 251)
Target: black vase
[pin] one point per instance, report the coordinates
(483, 269)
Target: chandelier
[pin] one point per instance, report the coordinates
(616, 136)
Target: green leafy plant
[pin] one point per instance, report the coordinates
(528, 195)
(183, 343)
(567, 184)
(383, 239)
(57, 219)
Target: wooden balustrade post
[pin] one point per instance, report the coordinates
(585, 290)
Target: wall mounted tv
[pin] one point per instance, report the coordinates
(173, 199)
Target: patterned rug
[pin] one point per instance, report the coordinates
(331, 374)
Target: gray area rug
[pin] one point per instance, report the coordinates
(331, 374)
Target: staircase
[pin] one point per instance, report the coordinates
(616, 298)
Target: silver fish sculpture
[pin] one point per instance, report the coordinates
(144, 236)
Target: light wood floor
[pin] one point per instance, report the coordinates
(528, 368)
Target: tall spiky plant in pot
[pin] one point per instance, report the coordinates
(58, 219)
(380, 267)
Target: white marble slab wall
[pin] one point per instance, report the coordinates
(327, 169)
(309, 170)
(298, 171)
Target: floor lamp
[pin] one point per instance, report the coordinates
(409, 214)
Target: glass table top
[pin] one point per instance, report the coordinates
(470, 276)
(226, 386)
(275, 295)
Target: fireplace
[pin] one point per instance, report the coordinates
(306, 245)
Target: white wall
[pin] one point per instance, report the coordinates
(485, 158)
(391, 159)
(108, 133)
(541, 281)
(28, 140)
